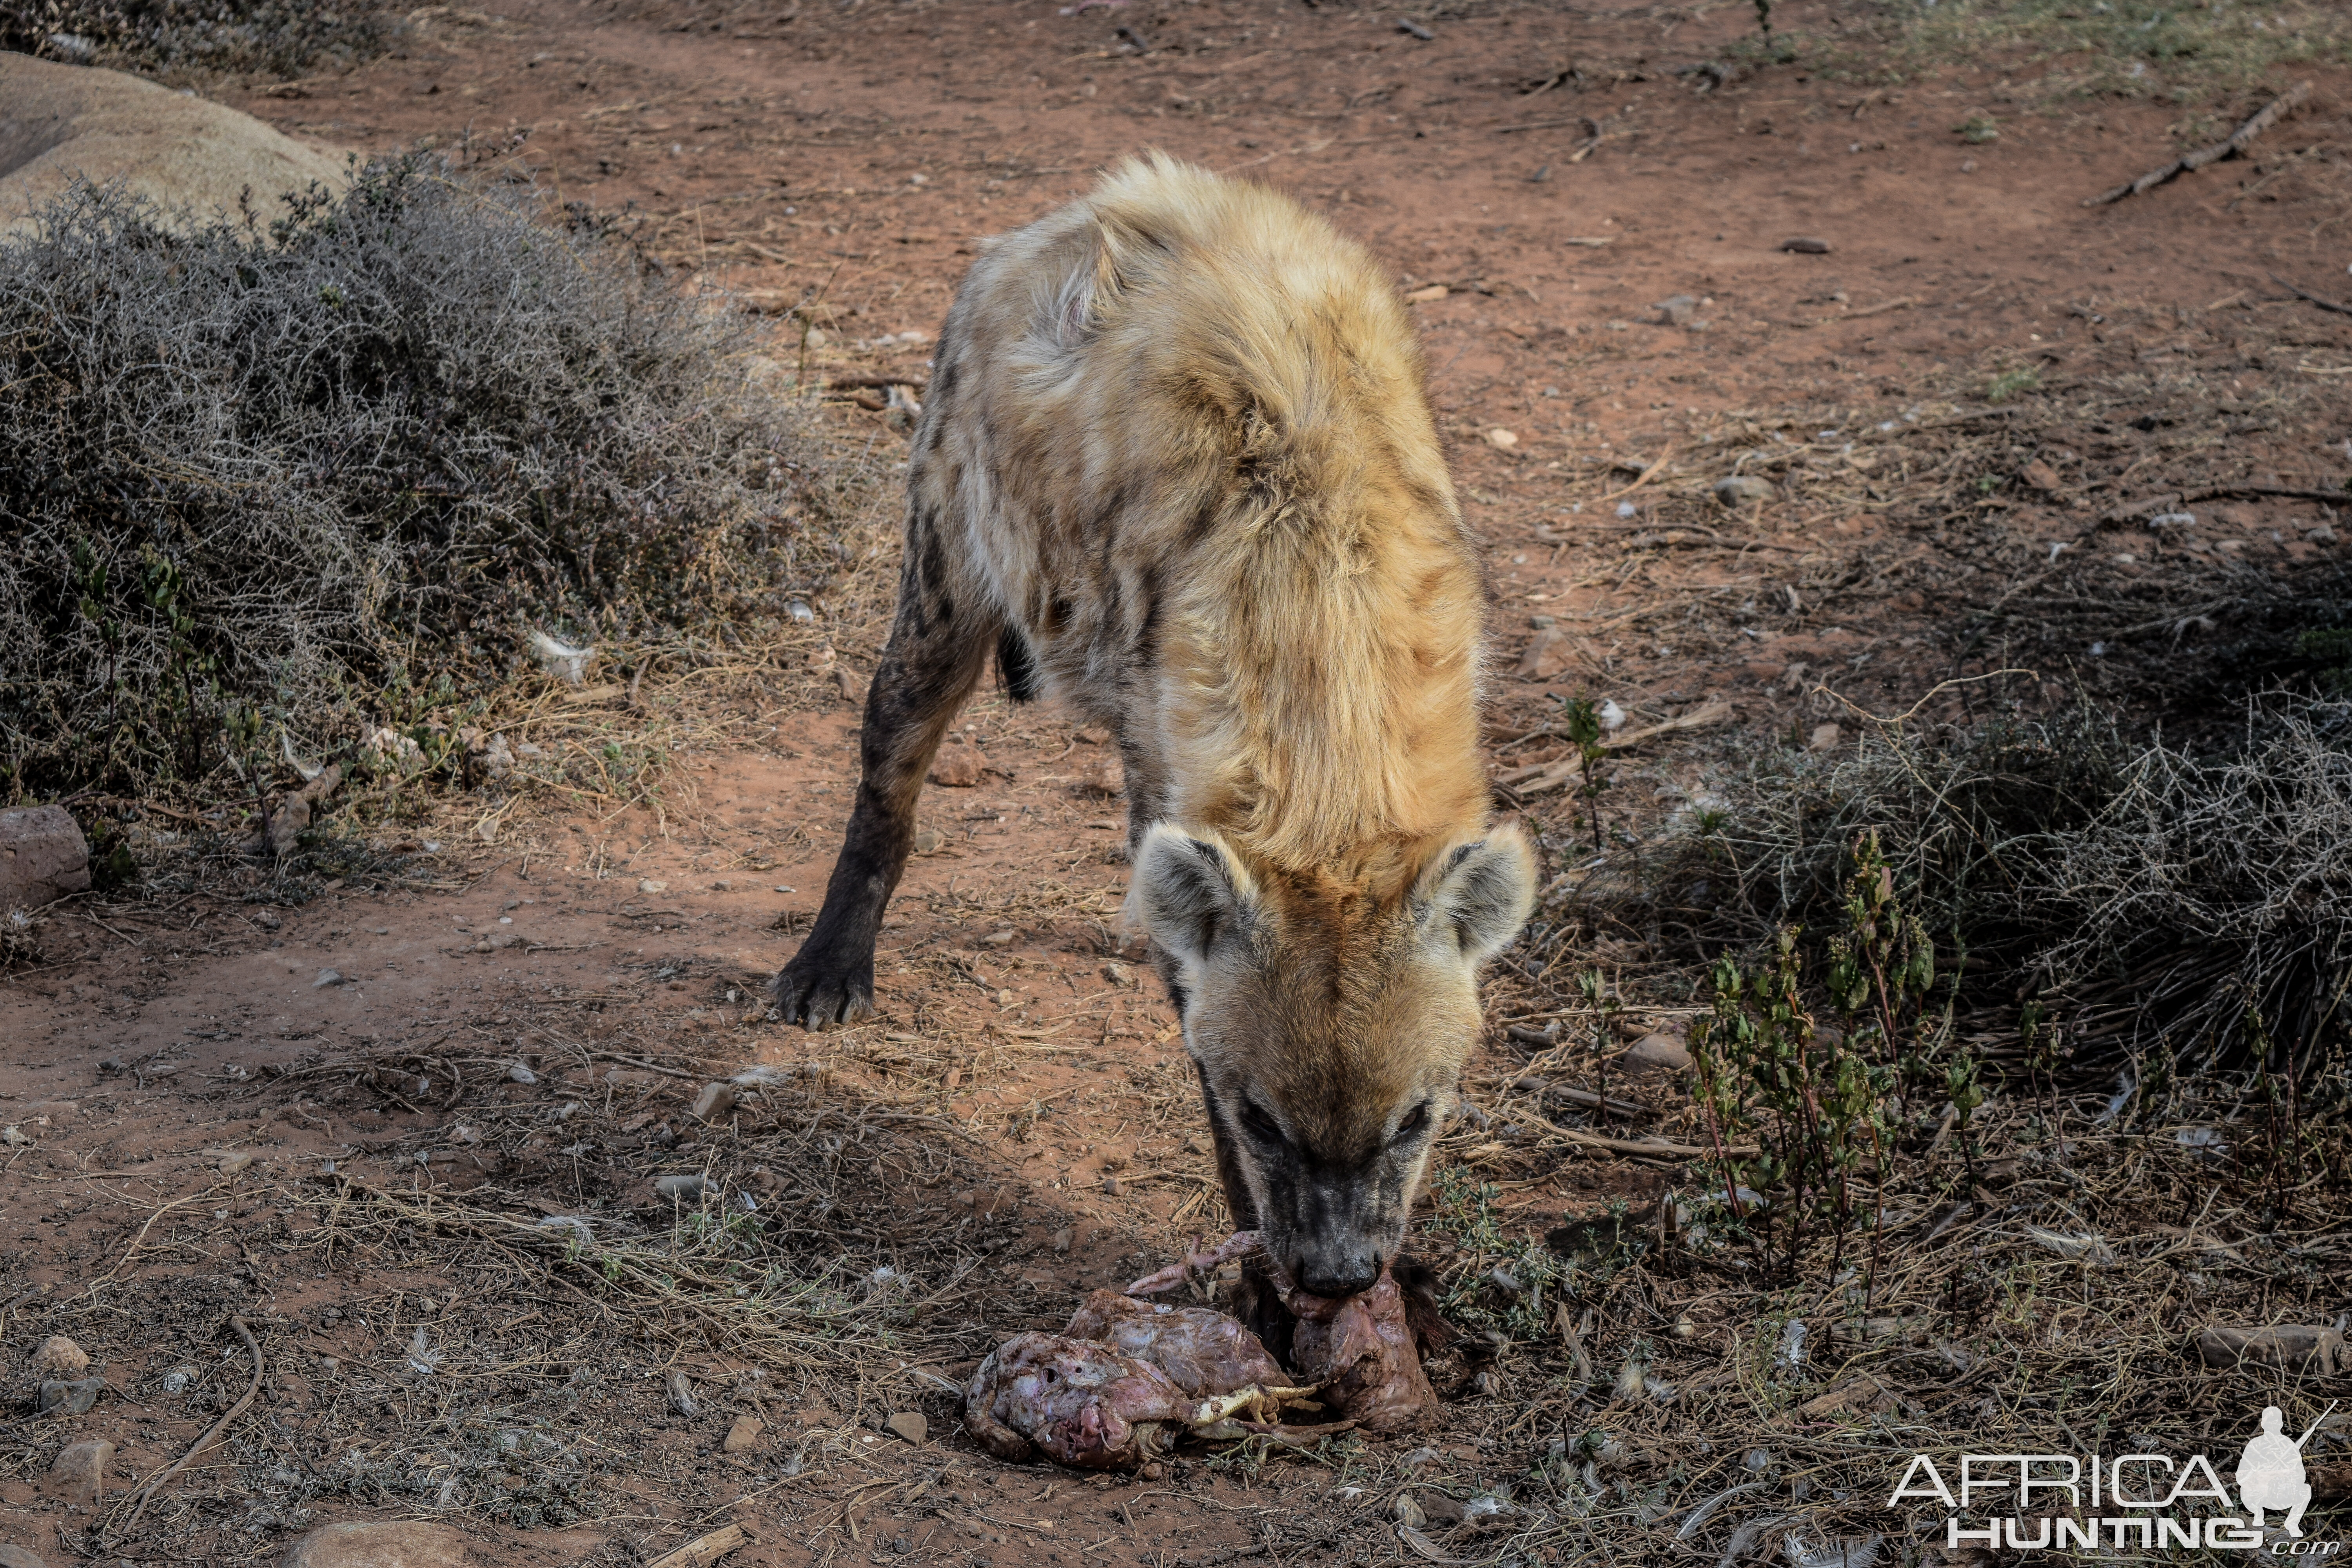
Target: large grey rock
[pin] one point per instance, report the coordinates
(19, 1557)
(43, 856)
(392, 1543)
(181, 153)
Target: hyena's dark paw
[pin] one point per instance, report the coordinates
(818, 989)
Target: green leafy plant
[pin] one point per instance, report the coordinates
(1580, 722)
(1817, 1098)
(2009, 383)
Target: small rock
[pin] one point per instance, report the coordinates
(1744, 490)
(177, 1380)
(714, 1103)
(78, 1473)
(1104, 775)
(959, 763)
(327, 977)
(60, 1357)
(519, 1072)
(64, 1396)
(1677, 311)
(234, 1161)
(43, 857)
(1439, 1507)
(929, 841)
(649, 885)
(1117, 973)
(1409, 1512)
(1429, 295)
(742, 1433)
(1824, 738)
(1503, 440)
(18, 1557)
(681, 1395)
(1546, 657)
(681, 1188)
(909, 1424)
(1806, 245)
(1655, 1053)
(1001, 937)
(392, 1543)
(1062, 1238)
(2324, 534)
(2041, 476)
(1092, 735)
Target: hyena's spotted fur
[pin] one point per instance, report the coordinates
(1176, 465)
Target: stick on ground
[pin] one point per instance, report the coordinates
(146, 1492)
(2280, 107)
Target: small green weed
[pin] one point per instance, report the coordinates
(2009, 383)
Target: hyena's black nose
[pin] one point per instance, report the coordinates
(1343, 1275)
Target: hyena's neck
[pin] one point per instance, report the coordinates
(1321, 694)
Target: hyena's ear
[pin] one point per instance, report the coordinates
(1189, 891)
(1477, 896)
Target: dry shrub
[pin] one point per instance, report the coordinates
(2161, 903)
(180, 40)
(259, 476)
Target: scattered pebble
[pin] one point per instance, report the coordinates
(681, 1394)
(649, 885)
(743, 1434)
(959, 763)
(681, 1187)
(68, 1396)
(408, 1543)
(1430, 295)
(1503, 440)
(78, 1475)
(327, 977)
(60, 1357)
(909, 1424)
(519, 1072)
(1001, 937)
(1406, 24)
(1804, 245)
(714, 1103)
(1743, 489)
(1676, 311)
(1824, 738)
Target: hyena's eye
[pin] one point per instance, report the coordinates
(1414, 1121)
(1259, 1122)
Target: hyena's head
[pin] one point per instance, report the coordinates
(1330, 1023)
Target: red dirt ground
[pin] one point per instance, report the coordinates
(840, 159)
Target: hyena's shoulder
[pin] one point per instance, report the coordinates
(1184, 421)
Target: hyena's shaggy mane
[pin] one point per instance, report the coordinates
(1237, 383)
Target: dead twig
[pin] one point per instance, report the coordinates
(2324, 304)
(2279, 107)
(146, 1492)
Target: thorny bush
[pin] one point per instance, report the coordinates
(261, 473)
(180, 40)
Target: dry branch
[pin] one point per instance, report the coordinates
(2279, 107)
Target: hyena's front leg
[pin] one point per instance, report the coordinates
(936, 653)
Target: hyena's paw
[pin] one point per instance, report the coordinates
(817, 989)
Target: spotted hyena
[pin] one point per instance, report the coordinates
(1176, 465)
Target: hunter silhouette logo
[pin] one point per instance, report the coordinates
(2270, 1472)
(2134, 1500)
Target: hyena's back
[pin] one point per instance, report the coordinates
(1177, 446)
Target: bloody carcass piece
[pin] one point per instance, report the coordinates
(1202, 1350)
(1084, 1404)
(1361, 1352)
